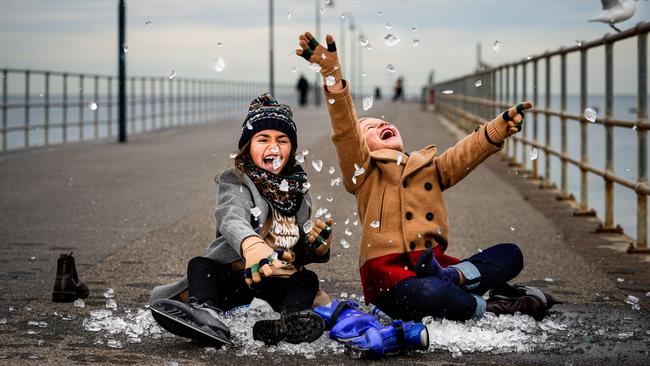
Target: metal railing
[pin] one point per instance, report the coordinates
(465, 101)
(41, 108)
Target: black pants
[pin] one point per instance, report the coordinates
(219, 286)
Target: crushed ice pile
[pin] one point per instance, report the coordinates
(495, 334)
(491, 333)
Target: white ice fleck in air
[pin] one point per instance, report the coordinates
(93, 106)
(374, 224)
(478, 83)
(345, 244)
(219, 44)
(277, 161)
(329, 199)
(289, 15)
(390, 68)
(331, 101)
(172, 75)
(284, 185)
(388, 26)
(496, 46)
(315, 67)
(32, 258)
(330, 80)
(512, 228)
(317, 164)
(331, 170)
(529, 57)
(533, 153)
(293, 70)
(300, 158)
(391, 40)
(249, 125)
(335, 182)
(380, 13)
(399, 158)
(416, 42)
(147, 23)
(448, 91)
(219, 64)
(590, 114)
(578, 43)
(347, 232)
(364, 42)
(367, 102)
(358, 170)
(256, 212)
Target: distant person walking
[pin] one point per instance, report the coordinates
(399, 91)
(303, 88)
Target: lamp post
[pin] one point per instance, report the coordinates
(121, 97)
(271, 80)
(317, 88)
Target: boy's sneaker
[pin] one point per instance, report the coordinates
(193, 321)
(298, 327)
(524, 299)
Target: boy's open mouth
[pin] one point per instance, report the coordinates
(387, 133)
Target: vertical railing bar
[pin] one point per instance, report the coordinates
(110, 105)
(46, 117)
(4, 109)
(81, 107)
(143, 105)
(96, 111)
(64, 122)
(547, 120)
(524, 132)
(584, 136)
(163, 109)
(515, 101)
(132, 98)
(26, 112)
(642, 138)
(535, 173)
(609, 137)
(564, 185)
(154, 117)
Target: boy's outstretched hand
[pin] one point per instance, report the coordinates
(507, 123)
(327, 59)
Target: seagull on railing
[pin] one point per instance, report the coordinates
(616, 11)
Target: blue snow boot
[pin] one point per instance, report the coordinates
(345, 321)
(401, 336)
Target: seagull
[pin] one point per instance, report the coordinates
(615, 11)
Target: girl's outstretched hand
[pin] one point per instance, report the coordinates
(320, 236)
(326, 58)
(512, 119)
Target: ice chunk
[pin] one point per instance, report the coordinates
(256, 212)
(219, 64)
(358, 170)
(347, 232)
(533, 153)
(548, 279)
(305, 152)
(307, 226)
(335, 182)
(367, 102)
(448, 91)
(79, 303)
(331, 101)
(391, 40)
(416, 42)
(3, 320)
(111, 304)
(300, 158)
(390, 68)
(315, 67)
(113, 343)
(345, 244)
(331, 170)
(317, 164)
(329, 199)
(277, 162)
(590, 114)
(496, 46)
(374, 224)
(478, 83)
(109, 293)
(172, 75)
(330, 80)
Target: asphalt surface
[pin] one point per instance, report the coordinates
(134, 214)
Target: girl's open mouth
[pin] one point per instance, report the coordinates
(387, 133)
(271, 162)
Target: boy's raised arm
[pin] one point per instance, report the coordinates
(351, 149)
(459, 160)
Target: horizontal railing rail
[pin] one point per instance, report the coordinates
(41, 108)
(475, 98)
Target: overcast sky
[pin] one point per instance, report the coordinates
(81, 35)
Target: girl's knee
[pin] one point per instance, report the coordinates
(200, 262)
(305, 275)
(513, 254)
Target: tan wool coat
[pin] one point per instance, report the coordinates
(405, 199)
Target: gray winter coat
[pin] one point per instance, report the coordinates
(236, 195)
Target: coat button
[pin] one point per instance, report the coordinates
(428, 244)
(404, 183)
(428, 186)
(429, 216)
(412, 245)
(409, 215)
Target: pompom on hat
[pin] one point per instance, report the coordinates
(265, 113)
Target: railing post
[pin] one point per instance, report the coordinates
(535, 173)
(64, 121)
(96, 112)
(163, 115)
(642, 138)
(46, 117)
(26, 112)
(584, 140)
(524, 131)
(81, 107)
(143, 105)
(110, 106)
(564, 185)
(4, 109)
(515, 101)
(154, 117)
(608, 224)
(547, 124)
(132, 99)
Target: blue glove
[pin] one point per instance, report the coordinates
(427, 265)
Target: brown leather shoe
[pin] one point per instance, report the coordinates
(528, 305)
(67, 285)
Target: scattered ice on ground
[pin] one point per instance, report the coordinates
(367, 102)
(620, 280)
(491, 333)
(3, 320)
(391, 40)
(317, 164)
(109, 293)
(548, 279)
(111, 304)
(634, 301)
(32, 323)
(79, 303)
(590, 114)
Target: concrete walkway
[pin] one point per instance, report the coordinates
(134, 214)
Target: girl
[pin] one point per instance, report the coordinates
(263, 240)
